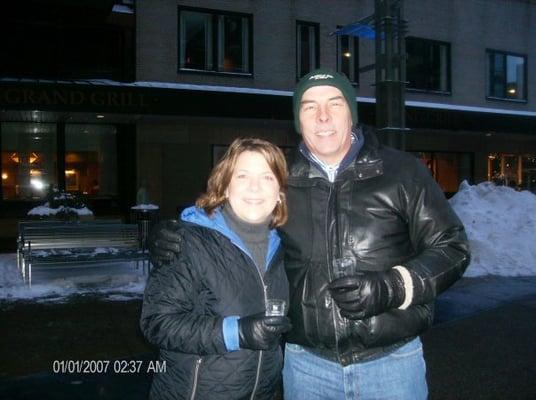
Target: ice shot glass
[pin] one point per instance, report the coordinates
(275, 308)
(345, 266)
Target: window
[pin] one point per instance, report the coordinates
(506, 76)
(428, 65)
(348, 57)
(215, 41)
(29, 164)
(448, 169)
(30, 152)
(307, 50)
(83, 49)
(514, 170)
(91, 159)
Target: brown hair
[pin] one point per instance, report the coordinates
(221, 174)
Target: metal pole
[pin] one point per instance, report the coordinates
(390, 72)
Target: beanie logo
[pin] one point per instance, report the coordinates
(320, 76)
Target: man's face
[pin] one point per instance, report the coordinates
(326, 123)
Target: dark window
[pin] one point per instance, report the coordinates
(348, 57)
(215, 41)
(506, 76)
(91, 159)
(448, 169)
(428, 65)
(307, 50)
(66, 51)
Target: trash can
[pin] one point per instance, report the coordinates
(146, 216)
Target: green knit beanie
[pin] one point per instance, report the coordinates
(321, 77)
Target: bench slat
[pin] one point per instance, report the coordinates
(49, 238)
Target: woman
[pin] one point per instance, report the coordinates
(206, 310)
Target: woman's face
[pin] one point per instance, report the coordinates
(253, 191)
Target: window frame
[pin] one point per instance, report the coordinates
(490, 51)
(356, 41)
(437, 174)
(448, 91)
(214, 14)
(316, 26)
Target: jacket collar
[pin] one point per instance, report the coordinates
(217, 222)
(331, 171)
(360, 165)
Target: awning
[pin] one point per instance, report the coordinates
(356, 29)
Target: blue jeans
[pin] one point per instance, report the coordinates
(400, 375)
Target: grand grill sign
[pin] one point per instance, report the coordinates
(80, 99)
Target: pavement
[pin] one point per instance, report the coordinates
(482, 346)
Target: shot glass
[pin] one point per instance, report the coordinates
(344, 266)
(275, 308)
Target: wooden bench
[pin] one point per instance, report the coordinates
(46, 244)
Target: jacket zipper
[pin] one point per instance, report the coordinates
(196, 376)
(329, 254)
(258, 375)
(265, 294)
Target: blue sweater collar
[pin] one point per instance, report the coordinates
(217, 222)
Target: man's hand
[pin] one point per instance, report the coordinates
(368, 293)
(259, 332)
(164, 242)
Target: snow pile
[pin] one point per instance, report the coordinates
(501, 226)
(119, 281)
(61, 204)
(46, 210)
(145, 207)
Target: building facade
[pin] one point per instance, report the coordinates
(170, 84)
(470, 93)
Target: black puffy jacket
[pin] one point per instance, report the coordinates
(384, 210)
(183, 310)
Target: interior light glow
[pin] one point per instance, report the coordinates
(32, 158)
(37, 183)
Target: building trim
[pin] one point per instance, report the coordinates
(265, 92)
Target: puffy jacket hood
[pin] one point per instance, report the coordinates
(217, 222)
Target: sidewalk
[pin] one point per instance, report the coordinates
(482, 346)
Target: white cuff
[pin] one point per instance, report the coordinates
(408, 286)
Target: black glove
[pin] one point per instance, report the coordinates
(164, 242)
(368, 293)
(259, 332)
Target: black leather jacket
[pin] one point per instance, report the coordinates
(384, 210)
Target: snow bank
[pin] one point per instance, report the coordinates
(45, 210)
(145, 207)
(501, 226)
(119, 282)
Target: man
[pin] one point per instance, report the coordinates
(378, 212)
